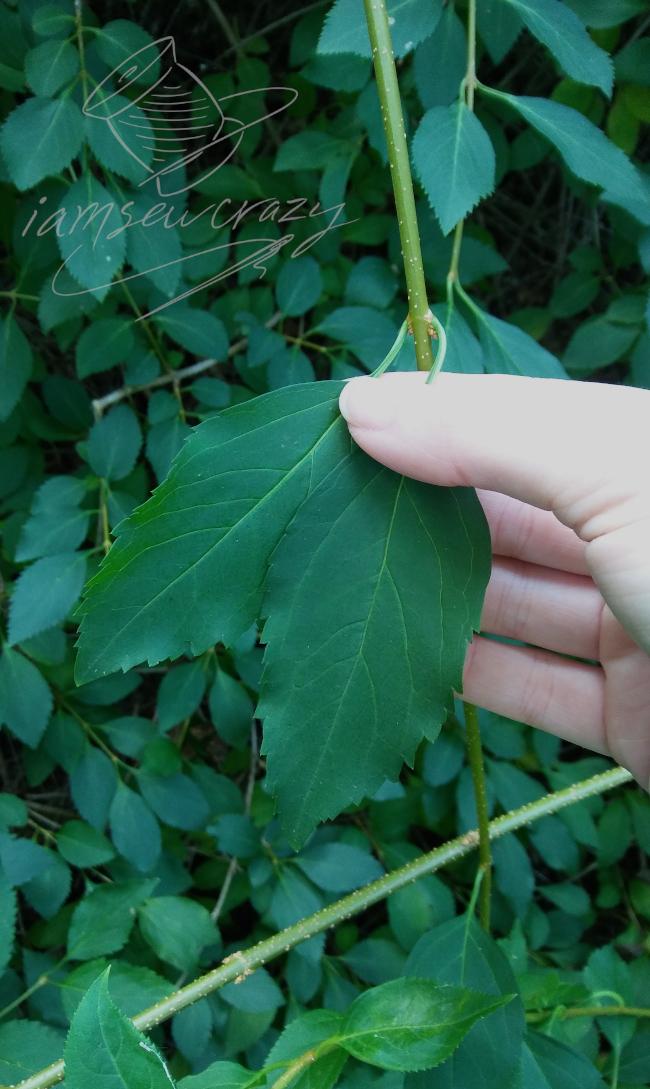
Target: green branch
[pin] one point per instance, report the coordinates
(238, 965)
(400, 169)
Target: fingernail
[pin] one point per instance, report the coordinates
(365, 403)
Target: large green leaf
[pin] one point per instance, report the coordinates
(104, 1048)
(560, 29)
(213, 523)
(454, 160)
(377, 553)
(413, 1024)
(372, 597)
(585, 149)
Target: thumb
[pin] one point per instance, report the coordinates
(558, 445)
(578, 449)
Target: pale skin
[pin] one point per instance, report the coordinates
(562, 471)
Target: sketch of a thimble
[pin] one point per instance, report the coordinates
(183, 119)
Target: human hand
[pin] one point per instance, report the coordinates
(563, 473)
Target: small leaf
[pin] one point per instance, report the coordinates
(40, 138)
(372, 282)
(437, 83)
(48, 890)
(119, 39)
(346, 31)
(102, 344)
(153, 249)
(231, 709)
(199, 331)
(91, 235)
(412, 1024)
(13, 812)
(175, 799)
(454, 160)
(82, 845)
(180, 693)
(50, 65)
(102, 921)
(584, 148)
(44, 594)
(310, 150)
(298, 286)
(22, 859)
(368, 333)
(93, 781)
(132, 987)
(134, 829)
(25, 698)
(339, 867)
(549, 1064)
(8, 909)
(112, 154)
(560, 29)
(177, 929)
(54, 19)
(164, 440)
(15, 364)
(596, 343)
(56, 522)
(25, 1048)
(219, 1075)
(114, 443)
(104, 1047)
(499, 27)
(507, 349)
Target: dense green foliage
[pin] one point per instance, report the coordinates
(274, 598)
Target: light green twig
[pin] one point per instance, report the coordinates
(238, 965)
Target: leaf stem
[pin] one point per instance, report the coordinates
(242, 962)
(477, 767)
(400, 169)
